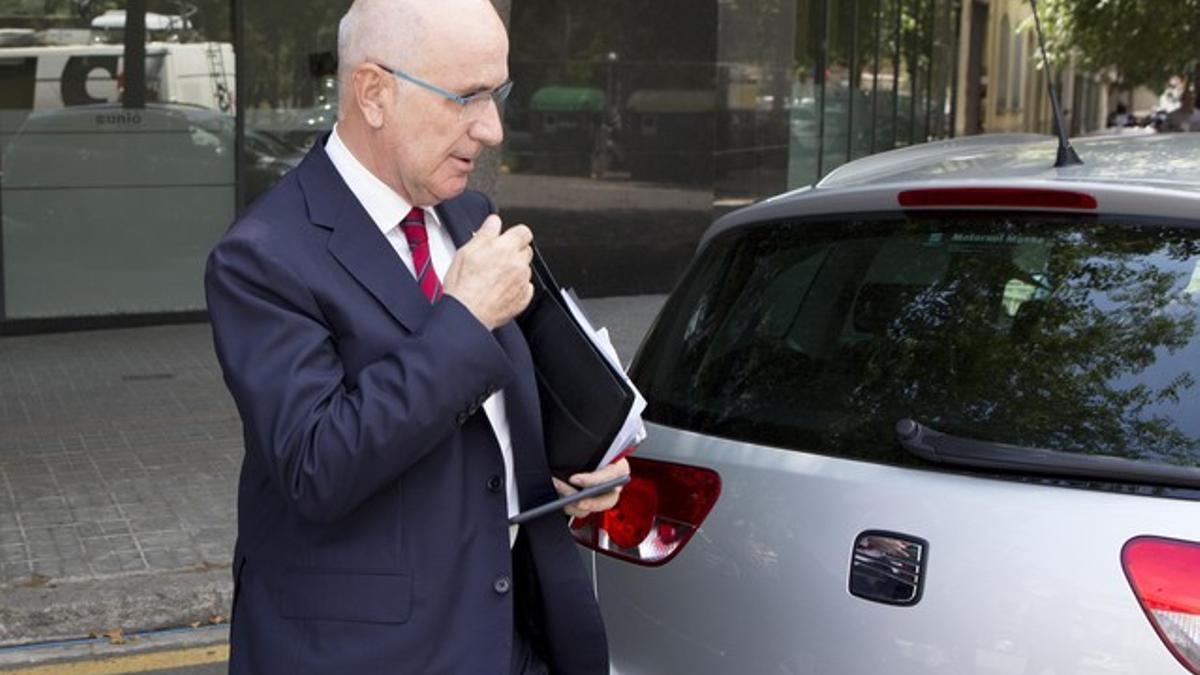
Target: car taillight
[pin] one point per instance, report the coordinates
(659, 511)
(1165, 576)
(1037, 198)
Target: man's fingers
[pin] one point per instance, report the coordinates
(517, 239)
(583, 507)
(562, 488)
(527, 297)
(602, 502)
(490, 227)
(602, 475)
(521, 234)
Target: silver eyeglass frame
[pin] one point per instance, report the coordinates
(497, 95)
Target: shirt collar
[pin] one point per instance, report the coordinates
(381, 202)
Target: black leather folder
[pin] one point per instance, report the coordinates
(584, 399)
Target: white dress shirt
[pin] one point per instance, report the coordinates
(387, 209)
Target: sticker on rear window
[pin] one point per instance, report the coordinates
(1193, 286)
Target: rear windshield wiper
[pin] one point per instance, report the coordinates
(941, 448)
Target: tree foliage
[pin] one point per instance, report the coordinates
(1146, 41)
(1076, 339)
(1070, 370)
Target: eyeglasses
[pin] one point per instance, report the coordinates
(472, 104)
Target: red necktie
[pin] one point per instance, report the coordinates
(413, 226)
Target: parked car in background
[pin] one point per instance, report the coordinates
(939, 413)
(164, 144)
(144, 191)
(268, 157)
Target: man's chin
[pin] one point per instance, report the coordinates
(450, 189)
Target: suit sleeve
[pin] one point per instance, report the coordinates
(329, 447)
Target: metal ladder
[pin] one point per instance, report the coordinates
(219, 76)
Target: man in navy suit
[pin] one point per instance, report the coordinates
(362, 314)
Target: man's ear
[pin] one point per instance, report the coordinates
(370, 88)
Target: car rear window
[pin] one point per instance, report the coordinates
(1051, 332)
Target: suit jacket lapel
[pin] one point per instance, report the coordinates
(356, 241)
(366, 254)
(457, 221)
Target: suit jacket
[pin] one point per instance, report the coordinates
(372, 525)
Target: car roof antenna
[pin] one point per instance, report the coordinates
(1066, 154)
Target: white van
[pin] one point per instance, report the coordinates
(56, 76)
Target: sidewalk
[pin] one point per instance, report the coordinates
(119, 456)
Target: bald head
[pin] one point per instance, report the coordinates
(422, 131)
(407, 34)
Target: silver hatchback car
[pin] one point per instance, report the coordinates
(939, 413)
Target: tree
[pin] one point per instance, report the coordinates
(1067, 371)
(1145, 41)
(1068, 338)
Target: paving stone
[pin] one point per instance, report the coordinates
(119, 455)
(13, 553)
(114, 526)
(97, 430)
(15, 570)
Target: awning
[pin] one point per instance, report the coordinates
(677, 101)
(567, 99)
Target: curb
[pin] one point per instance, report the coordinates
(64, 613)
(51, 657)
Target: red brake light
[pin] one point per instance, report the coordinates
(1165, 576)
(1036, 198)
(659, 511)
(629, 523)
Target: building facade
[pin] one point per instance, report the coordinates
(129, 144)
(1003, 83)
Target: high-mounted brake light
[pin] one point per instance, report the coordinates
(1033, 198)
(1165, 576)
(659, 511)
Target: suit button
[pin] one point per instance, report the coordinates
(462, 417)
(495, 483)
(502, 585)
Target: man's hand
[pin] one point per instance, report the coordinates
(602, 502)
(490, 274)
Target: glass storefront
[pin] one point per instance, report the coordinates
(631, 126)
(609, 151)
(117, 142)
(812, 84)
(289, 84)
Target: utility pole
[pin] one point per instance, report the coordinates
(135, 54)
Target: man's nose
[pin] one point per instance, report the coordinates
(488, 129)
